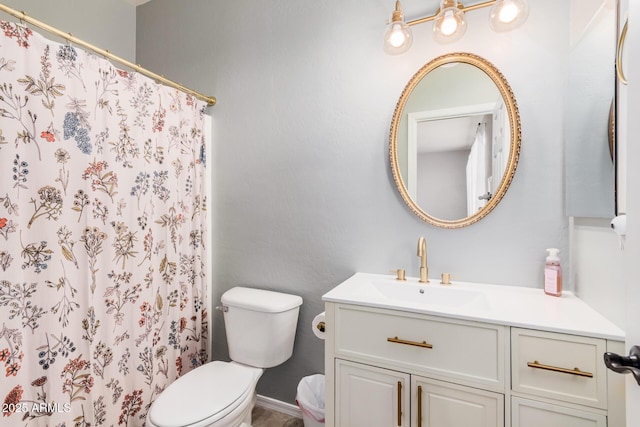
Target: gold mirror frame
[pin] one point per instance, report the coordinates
(514, 127)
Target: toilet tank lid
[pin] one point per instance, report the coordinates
(260, 300)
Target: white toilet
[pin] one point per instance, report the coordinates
(261, 327)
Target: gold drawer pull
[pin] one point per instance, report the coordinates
(621, 40)
(400, 403)
(574, 371)
(419, 406)
(422, 344)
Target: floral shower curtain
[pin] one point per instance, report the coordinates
(102, 236)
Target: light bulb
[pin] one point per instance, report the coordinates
(450, 23)
(507, 15)
(398, 37)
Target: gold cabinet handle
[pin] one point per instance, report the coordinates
(623, 37)
(419, 406)
(422, 344)
(574, 371)
(400, 403)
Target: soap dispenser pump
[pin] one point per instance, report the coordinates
(553, 274)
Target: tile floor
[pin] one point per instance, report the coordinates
(263, 417)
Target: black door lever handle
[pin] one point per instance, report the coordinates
(625, 364)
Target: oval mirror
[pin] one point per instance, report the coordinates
(455, 140)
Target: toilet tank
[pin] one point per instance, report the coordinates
(261, 325)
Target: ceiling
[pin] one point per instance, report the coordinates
(449, 134)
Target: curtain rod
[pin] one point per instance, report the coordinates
(68, 36)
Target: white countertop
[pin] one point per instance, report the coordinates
(505, 305)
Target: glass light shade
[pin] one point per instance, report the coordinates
(507, 15)
(450, 23)
(398, 37)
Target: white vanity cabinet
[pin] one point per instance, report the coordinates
(401, 353)
(394, 368)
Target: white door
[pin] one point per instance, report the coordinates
(500, 144)
(367, 396)
(631, 68)
(442, 404)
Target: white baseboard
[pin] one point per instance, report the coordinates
(278, 405)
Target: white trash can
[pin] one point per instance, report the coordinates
(310, 399)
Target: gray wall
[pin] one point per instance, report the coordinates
(302, 191)
(109, 25)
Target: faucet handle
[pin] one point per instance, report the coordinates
(446, 279)
(400, 274)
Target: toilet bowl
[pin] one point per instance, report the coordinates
(218, 394)
(260, 327)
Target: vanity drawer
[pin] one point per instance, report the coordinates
(529, 413)
(559, 366)
(441, 347)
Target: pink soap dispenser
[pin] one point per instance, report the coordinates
(553, 274)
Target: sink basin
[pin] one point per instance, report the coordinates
(432, 294)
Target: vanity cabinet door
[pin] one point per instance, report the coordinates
(440, 404)
(529, 413)
(366, 396)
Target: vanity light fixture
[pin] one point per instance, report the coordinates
(450, 24)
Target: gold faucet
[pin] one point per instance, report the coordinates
(422, 253)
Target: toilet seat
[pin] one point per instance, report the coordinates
(203, 395)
